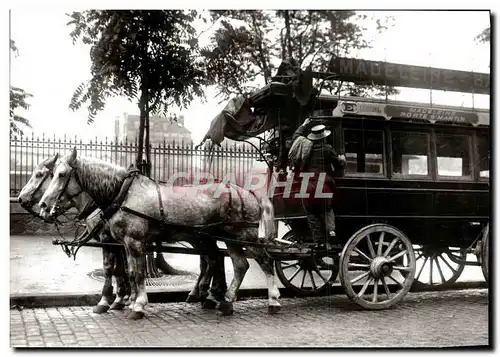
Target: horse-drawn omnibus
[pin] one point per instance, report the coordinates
(414, 200)
(421, 168)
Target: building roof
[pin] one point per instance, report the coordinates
(170, 126)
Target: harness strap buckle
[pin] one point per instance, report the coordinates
(160, 204)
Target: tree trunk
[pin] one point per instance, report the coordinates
(142, 111)
(147, 147)
(166, 268)
(288, 34)
(158, 262)
(153, 263)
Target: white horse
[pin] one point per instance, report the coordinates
(151, 212)
(113, 258)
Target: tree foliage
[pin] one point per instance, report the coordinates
(148, 56)
(246, 49)
(137, 52)
(18, 99)
(484, 36)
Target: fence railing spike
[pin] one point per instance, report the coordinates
(168, 156)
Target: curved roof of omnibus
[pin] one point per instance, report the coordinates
(362, 106)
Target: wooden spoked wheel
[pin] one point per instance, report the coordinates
(438, 266)
(377, 266)
(311, 276)
(485, 253)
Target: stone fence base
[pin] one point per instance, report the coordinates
(23, 223)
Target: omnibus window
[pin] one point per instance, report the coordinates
(364, 151)
(453, 155)
(410, 153)
(483, 148)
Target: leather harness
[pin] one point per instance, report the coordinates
(116, 205)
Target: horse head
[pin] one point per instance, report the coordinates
(61, 190)
(39, 181)
(73, 176)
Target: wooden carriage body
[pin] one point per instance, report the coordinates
(431, 205)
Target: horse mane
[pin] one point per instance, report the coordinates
(101, 179)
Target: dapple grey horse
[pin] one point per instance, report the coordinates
(186, 210)
(114, 262)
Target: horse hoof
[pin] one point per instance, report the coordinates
(100, 309)
(135, 315)
(273, 309)
(226, 308)
(209, 304)
(192, 298)
(203, 298)
(117, 306)
(127, 302)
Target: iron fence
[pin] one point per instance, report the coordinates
(167, 158)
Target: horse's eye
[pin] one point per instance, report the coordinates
(62, 174)
(38, 175)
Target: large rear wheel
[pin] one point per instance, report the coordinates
(438, 266)
(485, 253)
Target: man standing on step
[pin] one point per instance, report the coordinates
(320, 157)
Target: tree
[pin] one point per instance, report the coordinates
(148, 56)
(18, 99)
(243, 57)
(484, 36)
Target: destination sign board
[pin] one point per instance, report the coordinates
(409, 112)
(431, 114)
(401, 75)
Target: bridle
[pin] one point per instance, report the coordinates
(29, 203)
(28, 206)
(57, 204)
(90, 207)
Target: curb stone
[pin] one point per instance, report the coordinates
(21, 301)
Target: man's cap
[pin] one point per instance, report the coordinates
(318, 132)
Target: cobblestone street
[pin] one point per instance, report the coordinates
(431, 319)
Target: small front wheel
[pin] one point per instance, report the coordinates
(311, 276)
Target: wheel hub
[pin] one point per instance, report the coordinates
(381, 267)
(307, 264)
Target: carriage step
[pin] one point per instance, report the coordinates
(284, 241)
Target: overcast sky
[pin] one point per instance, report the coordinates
(50, 67)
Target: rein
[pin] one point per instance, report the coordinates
(90, 207)
(80, 240)
(104, 214)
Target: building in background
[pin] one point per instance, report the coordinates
(161, 129)
(165, 135)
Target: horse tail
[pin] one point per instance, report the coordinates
(267, 225)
